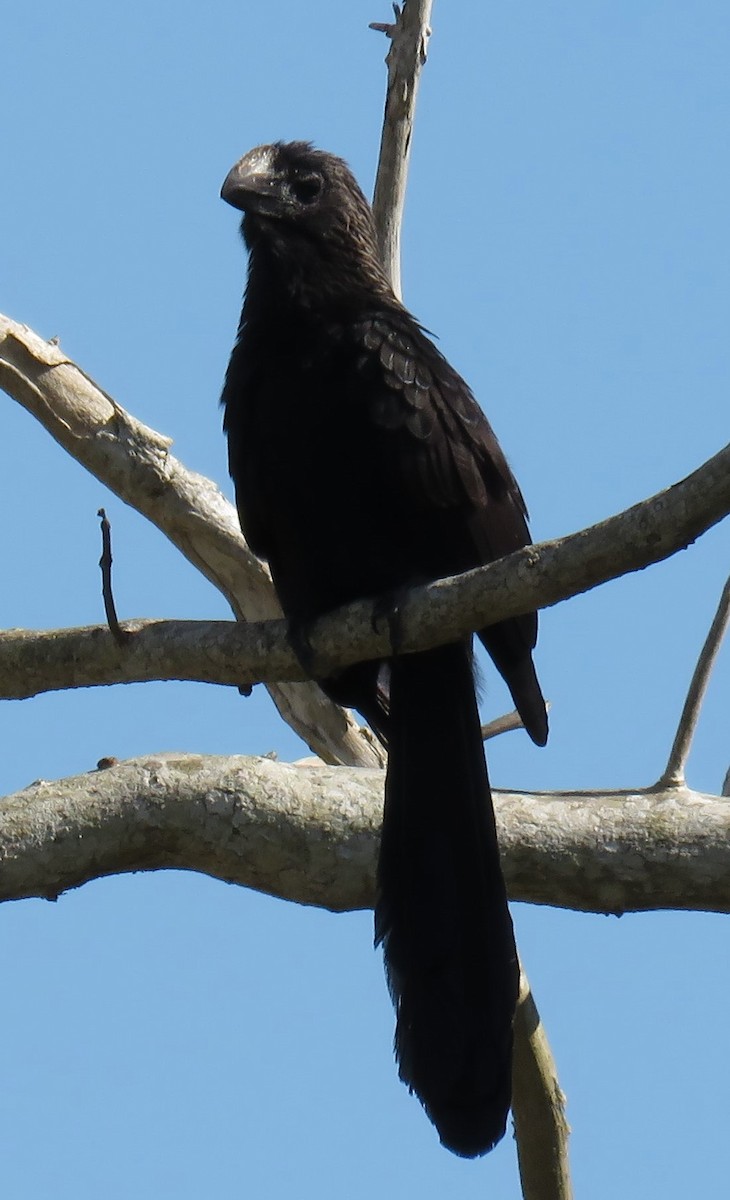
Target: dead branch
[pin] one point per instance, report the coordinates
(136, 464)
(310, 834)
(221, 652)
(105, 562)
(538, 1106)
(678, 755)
(409, 35)
(504, 724)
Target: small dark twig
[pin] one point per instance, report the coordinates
(674, 773)
(105, 562)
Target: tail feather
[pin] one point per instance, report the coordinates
(511, 656)
(442, 911)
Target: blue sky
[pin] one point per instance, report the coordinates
(566, 237)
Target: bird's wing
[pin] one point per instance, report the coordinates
(447, 454)
(452, 470)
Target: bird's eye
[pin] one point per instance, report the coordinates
(306, 188)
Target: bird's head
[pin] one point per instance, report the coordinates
(305, 214)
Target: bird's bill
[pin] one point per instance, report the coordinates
(253, 184)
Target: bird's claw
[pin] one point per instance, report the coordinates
(298, 636)
(387, 609)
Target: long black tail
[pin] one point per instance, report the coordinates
(442, 911)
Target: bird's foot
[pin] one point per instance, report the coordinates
(298, 635)
(387, 610)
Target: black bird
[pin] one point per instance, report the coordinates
(362, 465)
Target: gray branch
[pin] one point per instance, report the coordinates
(135, 463)
(538, 1106)
(227, 653)
(310, 834)
(409, 35)
(678, 755)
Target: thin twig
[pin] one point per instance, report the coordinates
(538, 1106)
(503, 724)
(121, 636)
(674, 774)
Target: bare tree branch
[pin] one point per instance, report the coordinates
(674, 773)
(221, 652)
(504, 724)
(135, 462)
(538, 1106)
(409, 36)
(310, 834)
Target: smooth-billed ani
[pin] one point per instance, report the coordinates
(362, 465)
